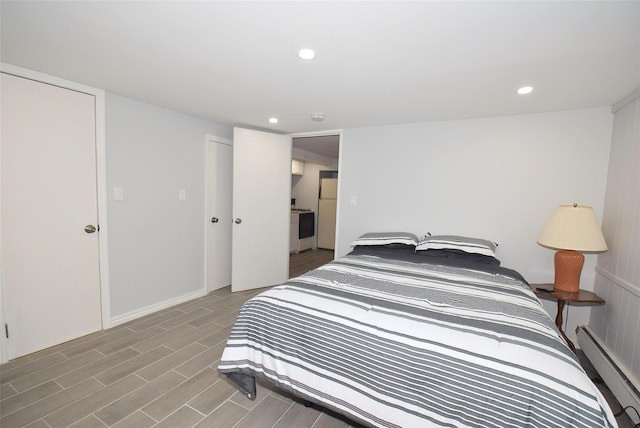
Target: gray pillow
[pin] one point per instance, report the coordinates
(386, 238)
(462, 243)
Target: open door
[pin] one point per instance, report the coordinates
(261, 209)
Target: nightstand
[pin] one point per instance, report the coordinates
(581, 298)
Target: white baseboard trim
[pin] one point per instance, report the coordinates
(121, 319)
(621, 383)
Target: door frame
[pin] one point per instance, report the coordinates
(209, 138)
(101, 181)
(337, 132)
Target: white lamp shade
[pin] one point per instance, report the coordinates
(573, 227)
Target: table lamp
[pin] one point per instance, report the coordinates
(572, 229)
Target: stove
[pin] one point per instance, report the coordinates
(302, 229)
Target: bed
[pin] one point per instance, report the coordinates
(396, 336)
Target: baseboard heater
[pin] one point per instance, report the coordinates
(623, 387)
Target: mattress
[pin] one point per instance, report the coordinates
(391, 338)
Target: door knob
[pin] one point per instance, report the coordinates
(238, 220)
(214, 219)
(90, 228)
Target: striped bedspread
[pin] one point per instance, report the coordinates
(405, 342)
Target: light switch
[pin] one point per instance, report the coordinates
(354, 200)
(182, 195)
(118, 194)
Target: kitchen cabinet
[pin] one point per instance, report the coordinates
(297, 167)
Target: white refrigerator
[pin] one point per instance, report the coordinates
(327, 213)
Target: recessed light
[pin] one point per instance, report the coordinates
(306, 54)
(317, 117)
(273, 120)
(525, 90)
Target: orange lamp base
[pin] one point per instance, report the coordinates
(568, 265)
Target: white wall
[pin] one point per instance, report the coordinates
(156, 241)
(497, 178)
(618, 280)
(305, 187)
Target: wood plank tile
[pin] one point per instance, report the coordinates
(217, 337)
(213, 397)
(261, 393)
(159, 339)
(224, 304)
(226, 415)
(171, 361)
(97, 367)
(136, 420)
(197, 335)
(17, 402)
(109, 336)
(6, 391)
(228, 318)
(92, 402)
(298, 416)
(184, 417)
(326, 420)
(88, 422)
(216, 303)
(128, 404)
(132, 365)
(38, 424)
(11, 374)
(183, 319)
(266, 414)
(12, 365)
(153, 319)
(130, 340)
(53, 402)
(206, 319)
(56, 370)
(65, 346)
(180, 395)
(195, 304)
(201, 361)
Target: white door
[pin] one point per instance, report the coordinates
(50, 264)
(261, 209)
(219, 212)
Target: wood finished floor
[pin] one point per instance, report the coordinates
(159, 370)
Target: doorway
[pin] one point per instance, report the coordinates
(319, 155)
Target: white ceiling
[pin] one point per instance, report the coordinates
(377, 62)
(324, 145)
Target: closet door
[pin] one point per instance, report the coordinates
(51, 287)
